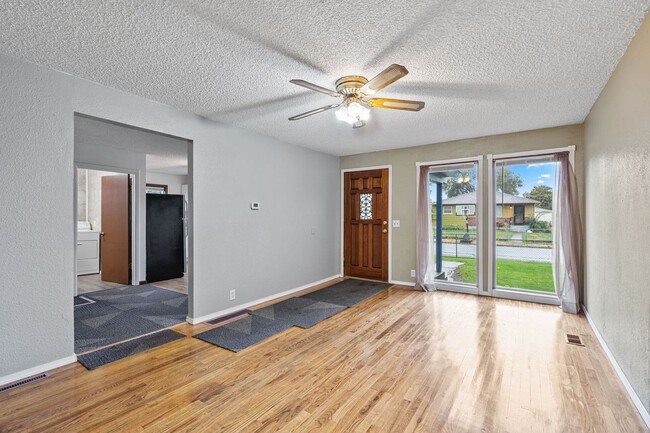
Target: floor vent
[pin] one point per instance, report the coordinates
(222, 319)
(574, 339)
(22, 382)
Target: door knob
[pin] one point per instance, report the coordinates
(384, 231)
(385, 222)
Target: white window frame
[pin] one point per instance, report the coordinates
(493, 289)
(446, 208)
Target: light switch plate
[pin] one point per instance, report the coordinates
(395, 223)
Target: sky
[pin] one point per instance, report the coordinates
(531, 174)
(535, 174)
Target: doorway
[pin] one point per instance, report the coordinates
(366, 232)
(105, 231)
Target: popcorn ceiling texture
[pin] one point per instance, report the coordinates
(482, 68)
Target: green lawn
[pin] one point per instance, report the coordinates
(511, 273)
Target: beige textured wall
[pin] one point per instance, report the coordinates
(404, 177)
(617, 170)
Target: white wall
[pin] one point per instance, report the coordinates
(259, 253)
(617, 170)
(173, 181)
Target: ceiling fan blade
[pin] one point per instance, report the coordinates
(385, 78)
(312, 112)
(396, 104)
(315, 88)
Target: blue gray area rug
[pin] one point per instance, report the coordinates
(114, 353)
(240, 334)
(304, 312)
(348, 293)
(126, 312)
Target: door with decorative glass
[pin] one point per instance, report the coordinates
(366, 224)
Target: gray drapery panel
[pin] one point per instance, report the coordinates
(567, 237)
(423, 270)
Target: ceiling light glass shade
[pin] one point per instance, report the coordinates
(353, 112)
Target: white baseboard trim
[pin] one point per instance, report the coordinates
(37, 370)
(402, 283)
(197, 320)
(626, 383)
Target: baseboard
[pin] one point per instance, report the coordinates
(626, 383)
(196, 320)
(402, 283)
(37, 370)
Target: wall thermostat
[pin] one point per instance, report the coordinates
(255, 205)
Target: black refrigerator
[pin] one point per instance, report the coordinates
(165, 238)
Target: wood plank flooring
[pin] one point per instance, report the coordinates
(402, 361)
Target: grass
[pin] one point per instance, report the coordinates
(513, 274)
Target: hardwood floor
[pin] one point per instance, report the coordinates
(92, 283)
(177, 284)
(403, 361)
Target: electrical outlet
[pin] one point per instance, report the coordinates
(413, 273)
(395, 223)
(233, 294)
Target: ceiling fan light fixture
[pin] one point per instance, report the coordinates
(353, 113)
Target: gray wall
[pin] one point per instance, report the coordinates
(617, 169)
(404, 177)
(258, 253)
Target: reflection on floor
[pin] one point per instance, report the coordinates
(93, 283)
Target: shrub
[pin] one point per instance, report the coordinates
(536, 224)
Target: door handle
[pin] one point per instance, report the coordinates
(101, 234)
(384, 231)
(385, 222)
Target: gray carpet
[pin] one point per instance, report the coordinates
(105, 356)
(348, 293)
(126, 312)
(302, 312)
(242, 333)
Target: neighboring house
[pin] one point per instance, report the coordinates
(544, 215)
(511, 210)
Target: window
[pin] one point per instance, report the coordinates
(499, 211)
(446, 210)
(465, 209)
(156, 189)
(365, 205)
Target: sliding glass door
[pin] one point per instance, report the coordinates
(522, 208)
(454, 191)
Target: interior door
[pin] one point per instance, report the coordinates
(115, 240)
(366, 224)
(165, 252)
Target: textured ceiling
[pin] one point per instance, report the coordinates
(482, 67)
(164, 154)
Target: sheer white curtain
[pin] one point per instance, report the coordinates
(423, 268)
(567, 237)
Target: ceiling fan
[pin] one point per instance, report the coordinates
(356, 92)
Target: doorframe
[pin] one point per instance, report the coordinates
(135, 212)
(390, 216)
(478, 160)
(493, 290)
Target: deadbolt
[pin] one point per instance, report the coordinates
(385, 222)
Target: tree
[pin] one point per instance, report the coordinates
(508, 181)
(543, 194)
(453, 187)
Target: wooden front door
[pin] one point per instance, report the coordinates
(366, 224)
(116, 229)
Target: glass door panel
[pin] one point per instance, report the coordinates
(524, 193)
